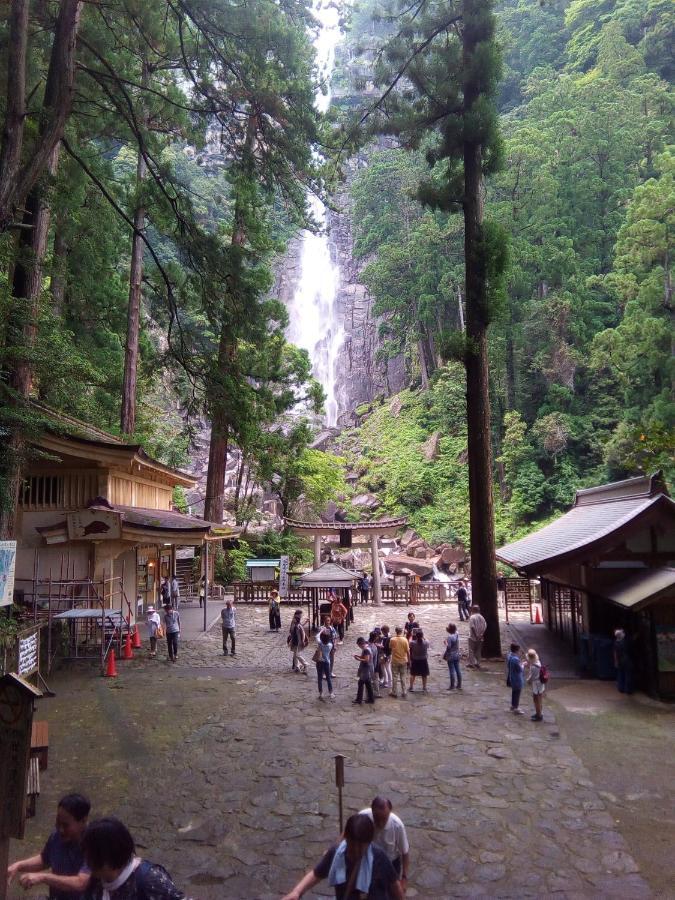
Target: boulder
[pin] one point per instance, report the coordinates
(408, 537)
(421, 552)
(431, 447)
(401, 562)
(395, 407)
(365, 501)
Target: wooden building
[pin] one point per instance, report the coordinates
(608, 563)
(96, 521)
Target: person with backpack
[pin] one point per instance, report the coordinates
(462, 603)
(297, 640)
(451, 656)
(537, 676)
(116, 872)
(275, 611)
(514, 678)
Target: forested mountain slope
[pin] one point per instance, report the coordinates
(581, 348)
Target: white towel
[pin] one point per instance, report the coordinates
(122, 878)
(338, 869)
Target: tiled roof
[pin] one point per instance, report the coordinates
(168, 520)
(596, 513)
(638, 590)
(328, 575)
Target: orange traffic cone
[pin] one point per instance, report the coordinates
(127, 653)
(136, 640)
(537, 615)
(111, 668)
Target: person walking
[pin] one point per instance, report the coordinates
(324, 645)
(154, 624)
(338, 613)
(202, 591)
(165, 591)
(386, 658)
(365, 672)
(451, 656)
(462, 603)
(400, 662)
(537, 685)
(275, 611)
(419, 662)
(60, 865)
(355, 868)
(175, 592)
(390, 836)
(172, 630)
(515, 678)
(116, 872)
(297, 641)
(229, 627)
(477, 629)
(364, 586)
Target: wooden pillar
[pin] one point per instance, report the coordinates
(377, 593)
(317, 551)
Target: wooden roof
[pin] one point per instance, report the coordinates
(640, 590)
(328, 575)
(601, 513)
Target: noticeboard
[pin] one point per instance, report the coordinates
(283, 576)
(94, 525)
(7, 567)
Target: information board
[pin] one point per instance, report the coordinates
(283, 576)
(7, 567)
(29, 650)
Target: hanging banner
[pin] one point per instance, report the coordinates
(283, 577)
(29, 654)
(7, 567)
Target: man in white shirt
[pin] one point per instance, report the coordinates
(390, 836)
(477, 629)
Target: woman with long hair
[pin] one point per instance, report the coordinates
(451, 656)
(355, 868)
(537, 685)
(419, 662)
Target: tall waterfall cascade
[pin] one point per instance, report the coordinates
(314, 319)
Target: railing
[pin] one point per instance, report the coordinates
(421, 592)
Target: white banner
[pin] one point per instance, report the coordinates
(283, 577)
(7, 566)
(28, 654)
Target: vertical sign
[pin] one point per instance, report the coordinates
(283, 577)
(7, 566)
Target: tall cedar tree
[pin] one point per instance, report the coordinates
(442, 68)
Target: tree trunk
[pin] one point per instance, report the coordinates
(481, 514)
(240, 478)
(27, 274)
(17, 183)
(128, 407)
(215, 477)
(59, 269)
(424, 372)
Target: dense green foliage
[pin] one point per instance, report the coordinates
(581, 345)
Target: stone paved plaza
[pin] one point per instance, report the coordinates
(223, 770)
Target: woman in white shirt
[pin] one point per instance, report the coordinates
(154, 623)
(538, 686)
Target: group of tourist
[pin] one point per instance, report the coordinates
(92, 861)
(170, 629)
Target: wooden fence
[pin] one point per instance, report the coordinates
(421, 592)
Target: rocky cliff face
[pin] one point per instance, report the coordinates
(362, 375)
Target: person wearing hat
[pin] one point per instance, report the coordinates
(154, 624)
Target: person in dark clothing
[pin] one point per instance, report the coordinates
(365, 672)
(364, 586)
(60, 866)
(515, 678)
(463, 603)
(355, 868)
(117, 873)
(623, 662)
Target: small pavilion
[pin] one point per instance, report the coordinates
(319, 582)
(346, 531)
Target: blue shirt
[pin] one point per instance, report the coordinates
(514, 669)
(63, 859)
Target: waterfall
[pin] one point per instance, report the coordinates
(314, 319)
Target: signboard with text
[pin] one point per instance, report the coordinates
(283, 576)
(29, 654)
(7, 567)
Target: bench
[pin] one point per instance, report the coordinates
(33, 786)
(39, 743)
